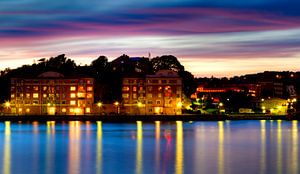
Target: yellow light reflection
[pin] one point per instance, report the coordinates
(139, 148)
(221, 148)
(7, 149)
(99, 147)
(279, 147)
(74, 147)
(50, 127)
(179, 158)
(157, 146)
(295, 144)
(263, 146)
(49, 146)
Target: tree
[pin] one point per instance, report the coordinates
(166, 62)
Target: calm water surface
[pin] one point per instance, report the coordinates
(174, 147)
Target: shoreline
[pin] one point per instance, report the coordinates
(146, 118)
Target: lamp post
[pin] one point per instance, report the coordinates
(7, 105)
(117, 106)
(99, 104)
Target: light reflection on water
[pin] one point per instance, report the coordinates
(159, 147)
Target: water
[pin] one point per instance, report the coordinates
(175, 147)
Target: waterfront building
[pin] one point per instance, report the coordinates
(160, 93)
(52, 93)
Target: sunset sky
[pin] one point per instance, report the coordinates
(210, 37)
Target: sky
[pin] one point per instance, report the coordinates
(209, 37)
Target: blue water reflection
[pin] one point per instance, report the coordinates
(159, 147)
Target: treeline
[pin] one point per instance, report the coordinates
(108, 75)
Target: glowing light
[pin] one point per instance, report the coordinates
(279, 147)
(179, 148)
(116, 103)
(295, 146)
(139, 148)
(7, 149)
(7, 104)
(179, 104)
(99, 104)
(74, 147)
(221, 148)
(221, 104)
(139, 104)
(99, 147)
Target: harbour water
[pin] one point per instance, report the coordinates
(150, 147)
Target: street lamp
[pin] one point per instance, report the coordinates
(7, 104)
(99, 104)
(117, 106)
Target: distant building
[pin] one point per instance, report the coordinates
(127, 64)
(153, 94)
(52, 94)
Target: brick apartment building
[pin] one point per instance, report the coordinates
(52, 94)
(153, 94)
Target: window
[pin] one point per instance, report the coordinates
(149, 88)
(150, 102)
(154, 81)
(149, 95)
(35, 102)
(89, 95)
(72, 102)
(73, 95)
(134, 95)
(125, 88)
(158, 102)
(81, 88)
(134, 88)
(12, 95)
(89, 82)
(27, 95)
(81, 95)
(73, 88)
(71, 110)
(35, 88)
(89, 88)
(164, 81)
(44, 88)
(44, 95)
(141, 88)
(35, 95)
(63, 110)
(125, 95)
(88, 110)
(27, 110)
(159, 88)
(159, 95)
(63, 102)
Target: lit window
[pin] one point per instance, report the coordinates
(159, 95)
(125, 95)
(12, 95)
(149, 95)
(35, 95)
(72, 102)
(89, 95)
(27, 95)
(71, 110)
(89, 88)
(20, 109)
(63, 110)
(73, 88)
(134, 95)
(134, 88)
(27, 110)
(88, 110)
(44, 88)
(141, 88)
(80, 88)
(72, 95)
(81, 95)
(36, 88)
(44, 95)
(125, 88)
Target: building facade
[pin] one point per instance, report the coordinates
(52, 94)
(153, 94)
